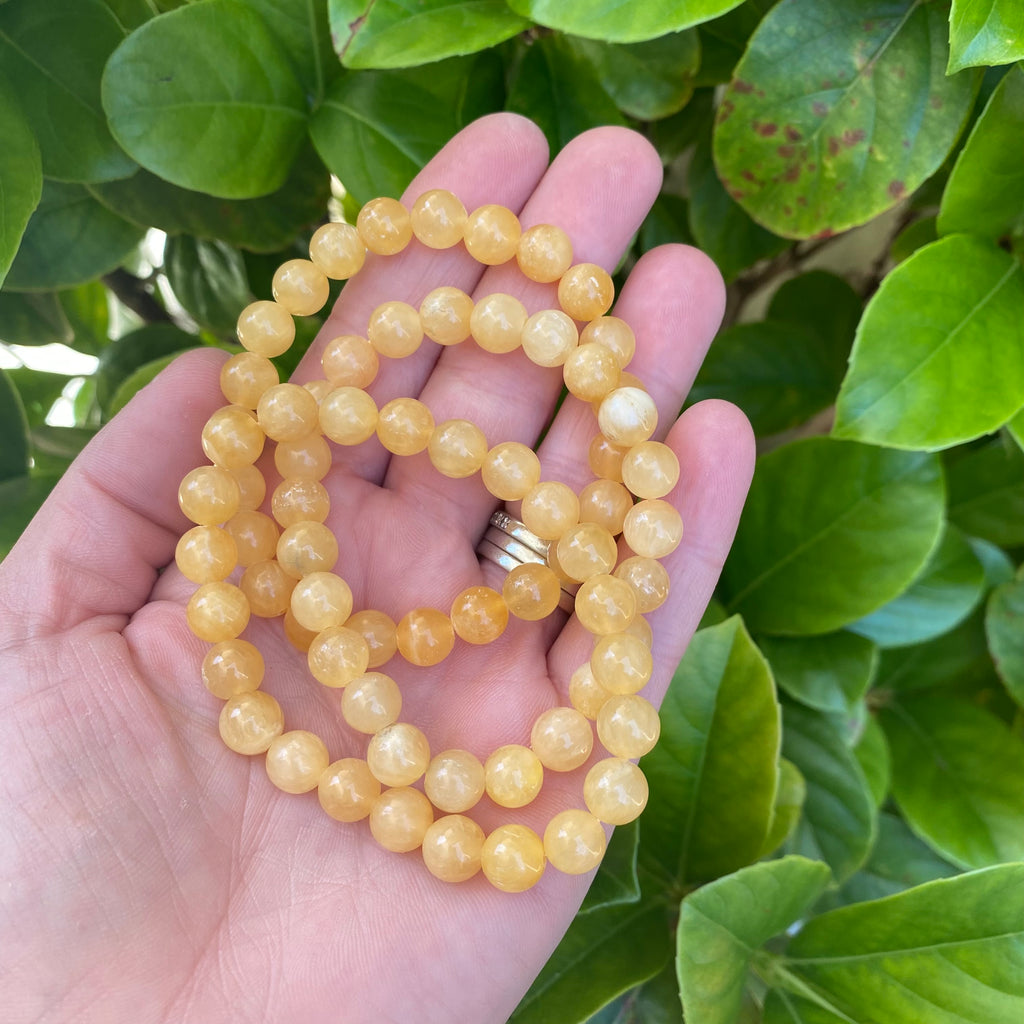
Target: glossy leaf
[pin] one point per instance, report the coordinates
(28, 318)
(957, 775)
(209, 280)
(831, 531)
(985, 32)
(130, 14)
(721, 925)
(655, 1001)
(789, 805)
(1004, 627)
(914, 236)
(38, 391)
(838, 111)
(206, 97)
(616, 879)
(13, 431)
(955, 308)
(667, 222)
(405, 33)
(88, 312)
(1015, 428)
(20, 498)
(825, 304)
(21, 173)
(997, 564)
(713, 775)
(136, 381)
(304, 32)
(872, 753)
(52, 55)
(986, 493)
(782, 1007)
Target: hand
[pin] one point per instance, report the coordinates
(149, 873)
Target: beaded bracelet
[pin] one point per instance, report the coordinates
(287, 560)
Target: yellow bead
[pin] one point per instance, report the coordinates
(255, 536)
(233, 667)
(266, 328)
(398, 754)
(337, 656)
(379, 632)
(425, 636)
(513, 775)
(209, 495)
(347, 790)
(217, 611)
(394, 329)
(574, 842)
(627, 416)
(405, 426)
(438, 219)
(297, 635)
(649, 580)
(319, 388)
(479, 615)
(296, 760)
(497, 323)
(549, 509)
(586, 291)
(531, 591)
(384, 226)
(371, 702)
(457, 448)
(301, 287)
(548, 337)
(591, 372)
(308, 458)
(562, 738)
(605, 604)
(268, 589)
(512, 858)
(628, 726)
(307, 547)
(348, 416)
(321, 600)
(296, 499)
(615, 791)
(249, 722)
(492, 234)
(350, 361)
(614, 334)
(605, 458)
(605, 503)
(621, 663)
(586, 550)
(444, 314)
(399, 819)
(206, 554)
(244, 377)
(337, 250)
(564, 579)
(510, 470)
(653, 528)
(454, 781)
(452, 847)
(586, 694)
(544, 253)
(252, 487)
(641, 629)
(650, 469)
(287, 412)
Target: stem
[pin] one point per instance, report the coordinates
(132, 292)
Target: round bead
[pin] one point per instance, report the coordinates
(206, 554)
(321, 600)
(398, 754)
(653, 528)
(308, 458)
(586, 694)
(337, 250)
(650, 469)
(548, 337)
(590, 372)
(244, 377)
(405, 426)
(395, 330)
(549, 509)
(249, 722)
(454, 781)
(319, 388)
(296, 634)
(268, 589)
(627, 416)
(296, 760)
(614, 334)
(574, 842)
(350, 361)
(399, 819)
(492, 234)
(562, 739)
(255, 536)
(615, 791)
(445, 314)
(371, 702)
(605, 604)
(556, 567)
(209, 495)
(307, 547)
(479, 615)
(621, 663)
(586, 550)
(641, 629)
(252, 487)
(287, 412)
(233, 667)
(297, 499)
(513, 775)
(497, 323)
(301, 287)
(452, 847)
(512, 858)
(585, 291)
(266, 328)
(605, 503)
(231, 437)
(384, 226)
(438, 219)
(531, 591)
(379, 632)
(348, 416)
(337, 656)
(425, 636)
(457, 448)
(544, 253)
(217, 611)
(605, 458)
(628, 726)
(347, 789)
(510, 470)
(649, 580)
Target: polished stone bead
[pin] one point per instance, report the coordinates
(649, 580)
(445, 314)
(513, 775)
(296, 760)
(398, 754)
(479, 615)
(641, 629)
(457, 448)
(348, 416)
(394, 329)
(452, 847)
(296, 634)
(512, 858)
(425, 636)
(549, 509)
(255, 535)
(384, 226)
(438, 219)
(371, 702)
(308, 458)
(615, 791)
(350, 361)
(321, 600)
(562, 738)
(347, 789)
(544, 253)
(653, 528)
(206, 554)
(249, 722)
(548, 337)
(454, 780)
(209, 495)
(586, 694)
(605, 604)
(574, 842)
(590, 372)
(307, 547)
(233, 667)
(268, 588)
(605, 458)
(244, 377)
(301, 287)
(586, 550)
(497, 323)
(337, 656)
(627, 416)
(337, 250)
(379, 632)
(217, 611)
(510, 470)
(297, 499)
(621, 663)
(492, 234)
(531, 591)
(319, 388)
(556, 566)
(266, 328)
(405, 426)
(252, 487)
(614, 334)
(399, 819)
(628, 726)
(650, 469)
(605, 503)
(287, 412)
(585, 291)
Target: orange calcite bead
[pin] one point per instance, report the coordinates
(549, 509)
(209, 495)
(586, 694)
(347, 790)
(454, 781)
(266, 328)
(512, 858)
(252, 487)
(605, 458)
(641, 629)
(296, 760)
(395, 330)
(379, 632)
(296, 634)
(574, 842)
(217, 611)
(206, 554)
(308, 458)
(562, 738)
(615, 791)
(556, 566)
(457, 448)
(255, 536)
(497, 323)
(445, 314)
(628, 726)
(319, 388)
(653, 528)
(492, 234)
(233, 667)
(399, 819)
(621, 663)
(650, 470)
(605, 604)
(425, 636)
(384, 226)
(405, 426)
(479, 615)
(438, 219)
(548, 337)
(544, 253)
(348, 416)
(307, 547)
(614, 334)
(337, 656)
(531, 591)
(586, 550)
(350, 361)
(590, 372)
(249, 722)
(452, 847)
(371, 702)
(605, 503)
(398, 754)
(244, 377)
(321, 600)
(510, 470)
(268, 589)
(231, 437)
(513, 775)
(627, 416)
(287, 412)
(297, 499)
(649, 580)
(337, 250)
(585, 291)
(301, 287)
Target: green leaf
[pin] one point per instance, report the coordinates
(52, 55)
(209, 280)
(872, 753)
(826, 305)
(994, 560)
(59, 443)
(838, 111)
(781, 1007)
(136, 381)
(621, 21)
(135, 349)
(958, 776)
(27, 318)
(130, 14)
(986, 493)
(13, 431)
(655, 1001)
(304, 32)
(721, 925)
(21, 173)
(672, 136)
(38, 391)
(985, 32)
(405, 33)
(985, 191)
(20, 499)
(88, 312)
(667, 222)
(1015, 428)
(206, 97)
(838, 824)
(831, 531)
(713, 775)
(70, 239)
(789, 805)
(914, 236)
(954, 307)
(616, 879)
(829, 672)
(1004, 627)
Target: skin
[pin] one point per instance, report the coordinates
(149, 873)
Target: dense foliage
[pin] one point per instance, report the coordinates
(838, 796)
